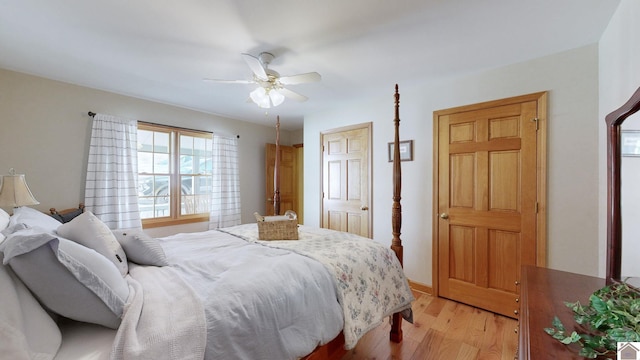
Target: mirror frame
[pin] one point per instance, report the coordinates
(614, 220)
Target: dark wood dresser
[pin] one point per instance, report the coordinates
(542, 297)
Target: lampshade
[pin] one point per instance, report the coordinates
(260, 97)
(265, 98)
(14, 191)
(276, 97)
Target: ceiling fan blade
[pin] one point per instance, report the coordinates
(220, 81)
(300, 78)
(291, 94)
(256, 66)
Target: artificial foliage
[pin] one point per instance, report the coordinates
(612, 315)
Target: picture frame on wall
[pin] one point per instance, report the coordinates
(630, 143)
(406, 150)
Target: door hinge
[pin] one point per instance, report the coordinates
(322, 148)
(536, 120)
(536, 207)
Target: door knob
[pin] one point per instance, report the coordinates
(269, 199)
(444, 216)
(364, 208)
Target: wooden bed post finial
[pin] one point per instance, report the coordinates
(276, 172)
(396, 212)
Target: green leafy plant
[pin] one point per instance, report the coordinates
(613, 315)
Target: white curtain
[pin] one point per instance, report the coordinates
(111, 190)
(225, 197)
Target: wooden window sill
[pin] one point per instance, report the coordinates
(153, 223)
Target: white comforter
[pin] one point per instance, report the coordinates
(267, 300)
(260, 303)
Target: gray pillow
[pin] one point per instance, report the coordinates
(141, 248)
(69, 279)
(86, 229)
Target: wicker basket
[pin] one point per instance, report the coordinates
(277, 230)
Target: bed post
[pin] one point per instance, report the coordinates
(396, 212)
(276, 172)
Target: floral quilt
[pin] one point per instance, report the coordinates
(368, 276)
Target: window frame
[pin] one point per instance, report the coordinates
(175, 177)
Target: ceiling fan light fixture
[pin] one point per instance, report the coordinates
(266, 97)
(271, 90)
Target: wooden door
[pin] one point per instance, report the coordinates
(346, 157)
(288, 178)
(489, 196)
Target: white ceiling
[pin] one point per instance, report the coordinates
(160, 50)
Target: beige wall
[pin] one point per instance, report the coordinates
(45, 129)
(572, 81)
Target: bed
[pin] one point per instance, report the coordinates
(74, 289)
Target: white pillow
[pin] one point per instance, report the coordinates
(4, 219)
(4, 223)
(28, 332)
(141, 248)
(86, 229)
(35, 219)
(68, 278)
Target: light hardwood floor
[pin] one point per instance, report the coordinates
(442, 330)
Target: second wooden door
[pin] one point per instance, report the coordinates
(288, 178)
(346, 180)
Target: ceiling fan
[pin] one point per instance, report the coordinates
(271, 90)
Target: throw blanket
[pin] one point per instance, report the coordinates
(369, 279)
(163, 318)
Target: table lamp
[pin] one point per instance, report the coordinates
(14, 191)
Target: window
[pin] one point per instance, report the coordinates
(174, 174)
